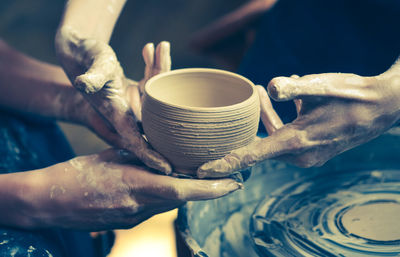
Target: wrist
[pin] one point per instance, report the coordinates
(21, 195)
(391, 77)
(66, 42)
(390, 80)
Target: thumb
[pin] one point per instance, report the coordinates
(280, 142)
(340, 85)
(101, 63)
(285, 88)
(90, 82)
(238, 159)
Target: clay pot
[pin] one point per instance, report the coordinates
(192, 116)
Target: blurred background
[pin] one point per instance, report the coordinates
(30, 26)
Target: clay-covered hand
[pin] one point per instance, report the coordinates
(94, 70)
(102, 191)
(336, 112)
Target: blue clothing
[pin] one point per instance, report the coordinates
(314, 36)
(28, 143)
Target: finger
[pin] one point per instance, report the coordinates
(162, 58)
(237, 160)
(269, 117)
(117, 156)
(148, 57)
(124, 122)
(167, 188)
(101, 63)
(282, 141)
(106, 132)
(328, 84)
(150, 157)
(133, 141)
(136, 102)
(196, 189)
(298, 103)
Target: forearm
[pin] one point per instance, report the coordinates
(18, 196)
(394, 71)
(40, 198)
(28, 85)
(85, 25)
(92, 18)
(391, 80)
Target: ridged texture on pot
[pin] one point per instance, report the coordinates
(189, 136)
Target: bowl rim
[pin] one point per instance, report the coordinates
(203, 109)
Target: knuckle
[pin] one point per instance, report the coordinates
(358, 121)
(299, 142)
(234, 160)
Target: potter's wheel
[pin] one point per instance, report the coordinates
(334, 214)
(348, 207)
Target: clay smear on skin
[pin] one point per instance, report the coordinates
(103, 185)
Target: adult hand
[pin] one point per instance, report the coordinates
(103, 191)
(94, 70)
(336, 112)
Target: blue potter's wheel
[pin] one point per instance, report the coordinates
(353, 213)
(348, 207)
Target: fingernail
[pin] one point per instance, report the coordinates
(223, 187)
(148, 54)
(166, 168)
(163, 165)
(165, 45)
(163, 56)
(149, 46)
(273, 90)
(233, 186)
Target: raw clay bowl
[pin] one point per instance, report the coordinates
(192, 116)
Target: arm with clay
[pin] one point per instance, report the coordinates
(31, 86)
(97, 192)
(28, 85)
(336, 112)
(93, 68)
